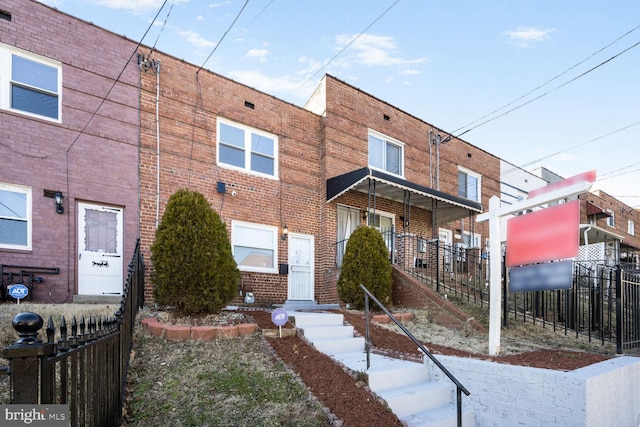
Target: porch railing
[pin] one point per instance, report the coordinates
(459, 387)
(87, 367)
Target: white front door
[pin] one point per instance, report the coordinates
(301, 272)
(100, 255)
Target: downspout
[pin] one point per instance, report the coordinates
(157, 143)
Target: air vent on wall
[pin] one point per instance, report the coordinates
(249, 105)
(5, 15)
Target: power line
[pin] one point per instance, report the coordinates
(117, 79)
(545, 83)
(224, 35)
(153, 48)
(522, 166)
(342, 50)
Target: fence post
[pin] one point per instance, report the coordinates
(24, 358)
(620, 297)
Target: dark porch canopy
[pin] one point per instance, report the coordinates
(445, 207)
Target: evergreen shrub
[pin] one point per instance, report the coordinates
(193, 266)
(365, 261)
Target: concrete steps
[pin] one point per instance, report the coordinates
(406, 386)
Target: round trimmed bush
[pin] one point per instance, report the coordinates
(366, 261)
(193, 266)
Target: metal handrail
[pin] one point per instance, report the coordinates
(459, 387)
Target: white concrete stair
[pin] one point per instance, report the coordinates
(406, 386)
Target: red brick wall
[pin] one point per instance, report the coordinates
(90, 156)
(188, 113)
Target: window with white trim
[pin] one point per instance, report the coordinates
(386, 153)
(15, 217)
(255, 246)
(469, 184)
(30, 84)
(631, 227)
(611, 219)
(248, 149)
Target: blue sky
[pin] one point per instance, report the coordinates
(548, 82)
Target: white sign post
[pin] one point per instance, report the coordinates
(572, 187)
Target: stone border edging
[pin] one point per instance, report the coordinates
(196, 333)
(401, 317)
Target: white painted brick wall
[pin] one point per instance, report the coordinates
(604, 394)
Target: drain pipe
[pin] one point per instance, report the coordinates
(157, 143)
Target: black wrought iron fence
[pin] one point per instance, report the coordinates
(87, 367)
(602, 304)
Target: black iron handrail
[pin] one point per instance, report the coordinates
(459, 387)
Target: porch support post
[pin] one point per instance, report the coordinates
(495, 270)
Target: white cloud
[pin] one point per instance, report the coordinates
(410, 72)
(524, 37)
(278, 86)
(260, 54)
(220, 3)
(196, 39)
(373, 50)
(136, 6)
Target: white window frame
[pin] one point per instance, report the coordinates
(271, 244)
(611, 219)
(6, 59)
(28, 209)
(631, 227)
(386, 140)
(248, 131)
(477, 176)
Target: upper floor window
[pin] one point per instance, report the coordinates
(386, 154)
(611, 219)
(248, 149)
(469, 184)
(255, 246)
(631, 228)
(29, 83)
(15, 217)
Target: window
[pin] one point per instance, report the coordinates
(631, 228)
(29, 83)
(611, 220)
(248, 149)
(255, 246)
(15, 217)
(469, 184)
(386, 154)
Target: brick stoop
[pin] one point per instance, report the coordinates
(411, 293)
(196, 333)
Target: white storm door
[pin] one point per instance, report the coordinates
(301, 272)
(100, 254)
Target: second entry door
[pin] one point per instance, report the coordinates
(301, 272)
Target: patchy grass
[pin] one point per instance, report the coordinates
(218, 383)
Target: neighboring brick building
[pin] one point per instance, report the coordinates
(67, 127)
(265, 164)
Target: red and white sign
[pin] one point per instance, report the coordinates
(545, 235)
(589, 177)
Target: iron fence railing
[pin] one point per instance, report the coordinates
(87, 367)
(602, 304)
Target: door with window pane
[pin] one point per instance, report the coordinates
(348, 221)
(301, 269)
(100, 245)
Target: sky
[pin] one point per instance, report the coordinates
(535, 82)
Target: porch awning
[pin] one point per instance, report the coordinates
(390, 187)
(593, 209)
(596, 234)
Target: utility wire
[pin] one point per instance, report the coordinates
(342, 50)
(117, 79)
(551, 90)
(524, 165)
(549, 81)
(223, 36)
(153, 48)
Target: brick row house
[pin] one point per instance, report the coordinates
(69, 154)
(292, 183)
(116, 129)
